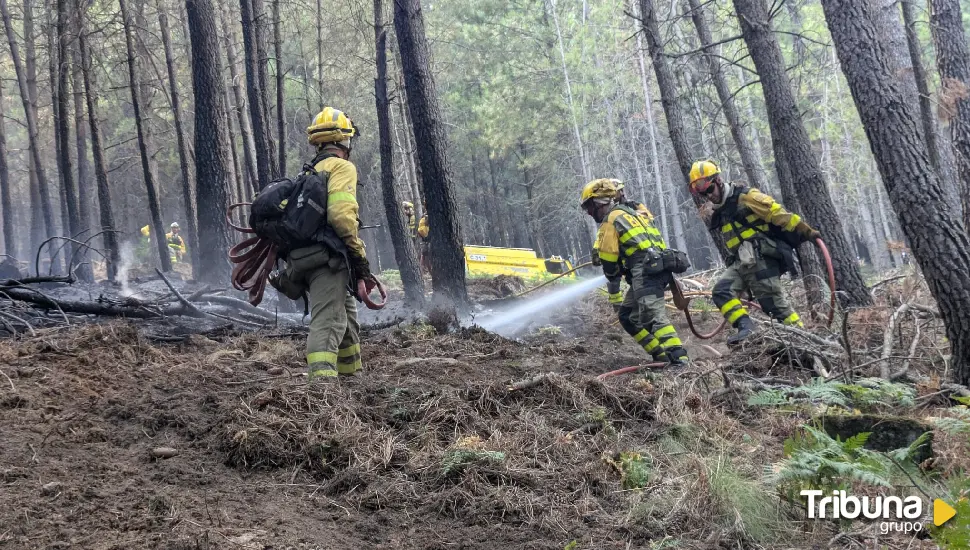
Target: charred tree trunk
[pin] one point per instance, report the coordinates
(448, 258)
(786, 122)
(672, 110)
(404, 250)
(6, 204)
(38, 231)
(265, 167)
(934, 229)
(953, 62)
(188, 194)
(319, 19)
(47, 208)
(110, 237)
(154, 208)
(211, 142)
(280, 87)
(749, 158)
(84, 188)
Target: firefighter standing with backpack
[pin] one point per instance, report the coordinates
(325, 271)
(759, 234)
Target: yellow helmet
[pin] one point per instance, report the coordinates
(145, 231)
(331, 126)
(599, 189)
(703, 169)
(408, 203)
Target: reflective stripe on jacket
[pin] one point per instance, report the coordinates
(342, 208)
(624, 233)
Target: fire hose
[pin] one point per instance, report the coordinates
(255, 258)
(683, 302)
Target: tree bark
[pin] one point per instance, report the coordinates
(675, 116)
(785, 120)
(188, 193)
(6, 203)
(447, 258)
(265, 167)
(31, 115)
(84, 188)
(211, 142)
(245, 127)
(404, 250)
(154, 208)
(934, 229)
(583, 160)
(280, 87)
(110, 238)
(319, 20)
(923, 89)
(748, 157)
(953, 62)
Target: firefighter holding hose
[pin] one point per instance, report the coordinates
(760, 235)
(628, 245)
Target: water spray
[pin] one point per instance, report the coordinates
(511, 321)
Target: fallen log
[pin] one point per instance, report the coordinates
(131, 308)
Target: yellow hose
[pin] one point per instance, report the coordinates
(524, 292)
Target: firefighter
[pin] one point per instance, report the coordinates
(759, 234)
(630, 246)
(326, 271)
(409, 215)
(423, 230)
(176, 244)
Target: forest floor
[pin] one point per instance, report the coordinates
(445, 441)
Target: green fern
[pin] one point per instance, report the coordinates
(768, 398)
(957, 423)
(866, 394)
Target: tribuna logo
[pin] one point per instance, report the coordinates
(842, 506)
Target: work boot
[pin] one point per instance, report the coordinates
(322, 374)
(746, 327)
(660, 356)
(677, 357)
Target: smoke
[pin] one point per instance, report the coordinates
(127, 261)
(510, 322)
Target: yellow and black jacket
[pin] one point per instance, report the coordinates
(342, 208)
(423, 227)
(623, 238)
(749, 215)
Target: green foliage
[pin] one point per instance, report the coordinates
(813, 460)
(743, 503)
(866, 394)
(954, 534)
(958, 423)
(634, 469)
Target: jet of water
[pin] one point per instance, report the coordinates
(510, 321)
(127, 261)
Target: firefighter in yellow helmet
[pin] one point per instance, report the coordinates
(759, 234)
(630, 246)
(424, 228)
(328, 271)
(176, 245)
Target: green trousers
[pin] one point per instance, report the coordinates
(763, 281)
(333, 345)
(648, 292)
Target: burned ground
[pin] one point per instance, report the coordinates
(461, 440)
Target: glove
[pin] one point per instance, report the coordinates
(361, 269)
(807, 232)
(595, 258)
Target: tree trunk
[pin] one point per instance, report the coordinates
(934, 228)
(188, 193)
(404, 250)
(953, 62)
(6, 203)
(749, 159)
(211, 142)
(154, 208)
(280, 87)
(785, 120)
(652, 128)
(675, 118)
(31, 115)
(919, 73)
(319, 20)
(84, 188)
(245, 128)
(447, 258)
(584, 162)
(110, 237)
(265, 167)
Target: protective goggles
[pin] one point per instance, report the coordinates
(702, 187)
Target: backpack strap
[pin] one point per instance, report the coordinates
(310, 167)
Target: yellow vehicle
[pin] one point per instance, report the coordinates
(523, 262)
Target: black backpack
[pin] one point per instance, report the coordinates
(292, 213)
